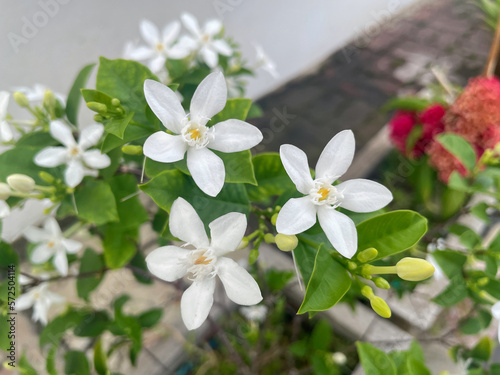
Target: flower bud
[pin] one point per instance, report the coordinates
(286, 242)
(47, 177)
(367, 292)
(269, 238)
(339, 358)
(21, 183)
(273, 219)
(381, 283)
(351, 265)
(483, 281)
(244, 243)
(4, 191)
(367, 255)
(97, 107)
(49, 100)
(132, 150)
(115, 102)
(380, 307)
(414, 269)
(21, 99)
(98, 118)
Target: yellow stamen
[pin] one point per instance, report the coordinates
(51, 244)
(202, 260)
(159, 47)
(195, 134)
(323, 193)
(74, 151)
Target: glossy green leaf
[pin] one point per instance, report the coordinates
(458, 147)
(96, 203)
(150, 318)
(130, 210)
(74, 96)
(76, 363)
(375, 361)
(90, 262)
(54, 330)
(50, 364)
(305, 256)
(483, 349)
(119, 245)
(455, 292)
(235, 109)
(100, 360)
(117, 126)
(451, 262)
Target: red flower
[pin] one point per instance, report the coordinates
(400, 128)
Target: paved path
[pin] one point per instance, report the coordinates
(348, 90)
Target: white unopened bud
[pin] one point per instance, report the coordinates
(339, 358)
(21, 183)
(4, 191)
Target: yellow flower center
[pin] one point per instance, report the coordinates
(74, 151)
(323, 193)
(159, 47)
(51, 244)
(203, 260)
(195, 134)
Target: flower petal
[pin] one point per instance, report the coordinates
(362, 195)
(62, 132)
(51, 157)
(24, 301)
(196, 302)
(41, 254)
(74, 173)
(149, 32)
(213, 27)
(4, 103)
(170, 33)
(157, 64)
(337, 156)
(340, 230)
(168, 262)
(36, 235)
(234, 135)
(164, 147)
(6, 133)
(207, 170)
(495, 310)
(240, 286)
(191, 23)
(61, 263)
(296, 216)
(96, 159)
(186, 225)
(227, 232)
(209, 98)
(90, 135)
(295, 162)
(140, 53)
(71, 246)
(165, 105)
(209, 56)
(4, 209)
(51, 226)
(222, 47)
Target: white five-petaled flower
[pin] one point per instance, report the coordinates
(322, 197)
(192, 136)
(80, 161)
(495, 311)
(160, 45)
(204, 41)
(38, 297)
(264, 62)
(204, 262)
(51, 243)
(36, 93)
(6, 133)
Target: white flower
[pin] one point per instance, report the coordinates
(265, 63)
(495, 311)
(4, 195)
(204, 262)
(80, 161)
(203, 40)
(51, 243)
(6, 133)
(38, 297)
(358, 195)
(192, 136)
(160, 45)
(254, 313)
(36, 93)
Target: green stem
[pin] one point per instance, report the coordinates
(73, 229)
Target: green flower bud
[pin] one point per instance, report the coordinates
(483, 281)
(381, 283)
(273, 219)
(97, 107)
(380, 307)
(252, 257)
(351, 265)
(98, 118)
(286, 242)
(21, 99)
(47, 177)
(367, 255)
(21, 183)
(367, 292)
(244, 243)
(414, 269)
(115, 102)
(269, 238)
(4, 191)
(49, 100)
(132, 150)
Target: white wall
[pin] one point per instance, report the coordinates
(297, 34)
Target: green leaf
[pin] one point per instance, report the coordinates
(119, 245)
(100, 360)
(76, 363)
(117, 126)
(271, 177)
(139, 261)
(93, 324)
(25, 367)
(235, 109)
(392, 232)
(90, 262)
(375, 361)
(150, 318)
(305, 256)
(130, 210)
(74, 96)
(455, 292)
(474, 325)
(410, 103)
(321, 336)
(479, 211)
(328, 283)
(54, 330)
(483, 349)
(50, 365)
(466, 236)
(460, 148)
(277, 280)
(95, 202)
(451, 262)
(168, 186)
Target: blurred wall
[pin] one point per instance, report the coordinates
(67, 34)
